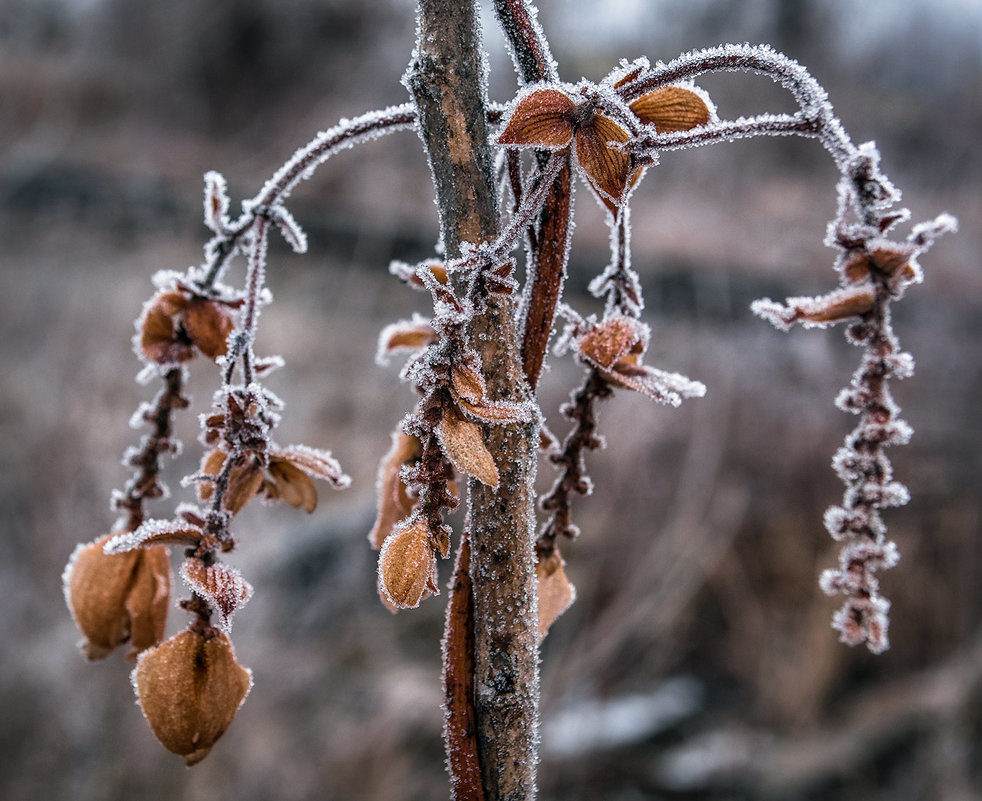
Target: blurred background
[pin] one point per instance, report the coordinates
(698, 661)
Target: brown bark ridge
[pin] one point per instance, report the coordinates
(447, 83)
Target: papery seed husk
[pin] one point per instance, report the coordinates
(394, 503)
(554, 591)
(540, 119)
(407, 564)
(104, 591)
(149, 599)
(208, 325)
(189, 689)
(293, 485)
(463, 444)
(671, 108)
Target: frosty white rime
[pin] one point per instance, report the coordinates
(504, 178)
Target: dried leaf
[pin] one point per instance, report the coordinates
(314, 462)
(463, 444)
(394, 503)
(160, 340)
(658, 385)
(540, 119)
(554, 591)
(610, 340)
(465, 375)
(208, 326)
(495, 411)
(606, 168)
(292, 484)
(405, 335)
(407, 565)
(216, 202)
(671, 108)
(211, 465)
(221, 585)
(189, 689)
(156, 532)
(244, 482)
(834, 307)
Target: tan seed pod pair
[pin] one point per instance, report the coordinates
(118, 598)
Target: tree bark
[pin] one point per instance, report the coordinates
(447, 81)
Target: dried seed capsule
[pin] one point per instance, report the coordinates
(118, 597)
(407, 565)
(190, 688)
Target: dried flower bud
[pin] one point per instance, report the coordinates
(554, 591)
(189, 689)
(407, 565)
(118, 597)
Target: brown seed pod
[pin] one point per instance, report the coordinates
(119, 597)
(407, 565)
(189, 689)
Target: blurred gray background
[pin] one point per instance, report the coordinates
(698, 662)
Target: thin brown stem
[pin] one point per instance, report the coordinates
(145, 483)
(447, 81)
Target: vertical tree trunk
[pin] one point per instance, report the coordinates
(447, 81)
